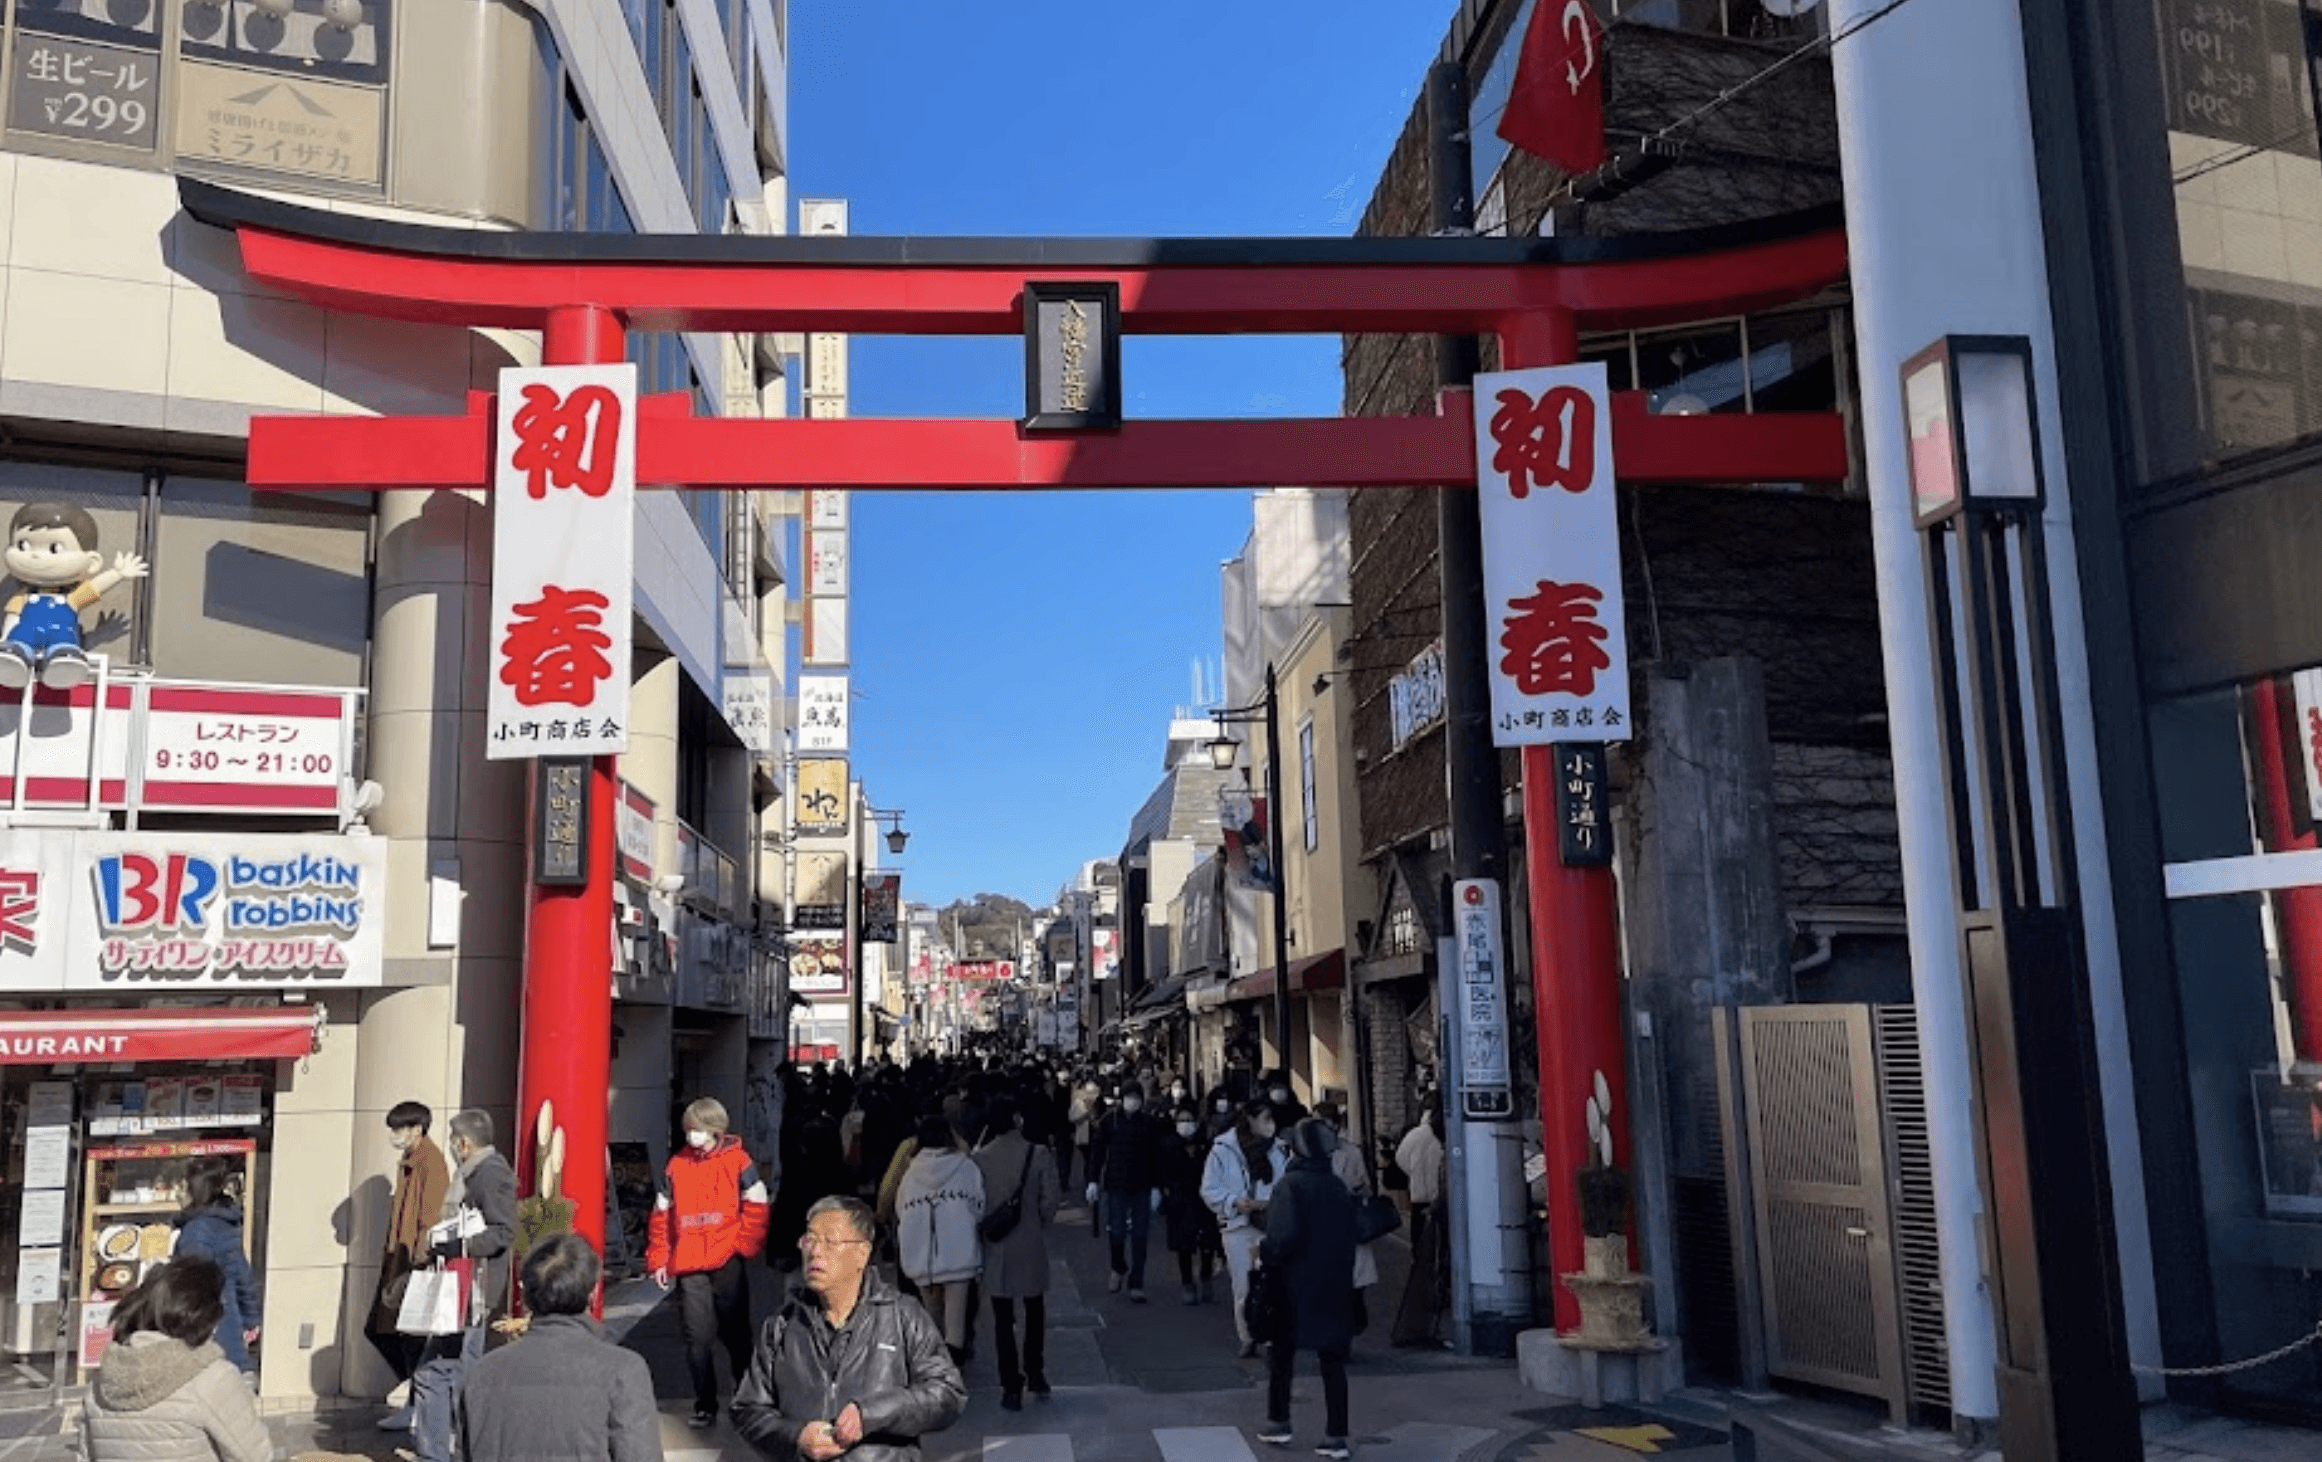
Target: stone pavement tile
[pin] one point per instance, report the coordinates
(1423, 1441)
(1203, 1444)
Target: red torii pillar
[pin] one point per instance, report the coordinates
(1535, 295)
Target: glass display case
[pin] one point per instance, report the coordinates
(133, 1192)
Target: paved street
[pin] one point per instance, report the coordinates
(1161, 1383)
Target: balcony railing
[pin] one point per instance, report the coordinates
(138, 744)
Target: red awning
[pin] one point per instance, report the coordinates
(1315, 972)
(46, 1037)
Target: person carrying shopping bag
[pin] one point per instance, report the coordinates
(1236, 1183)
(1018, 1171)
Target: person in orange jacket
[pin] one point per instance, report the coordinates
(709, 1217)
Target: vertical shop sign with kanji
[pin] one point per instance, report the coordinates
(564, 482)
(1486, 1087)
(1552, 557)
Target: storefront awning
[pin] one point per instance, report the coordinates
(1315, 972)
(47, 1037)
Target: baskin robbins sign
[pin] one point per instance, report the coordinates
(148, 911)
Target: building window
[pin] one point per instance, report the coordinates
(1306, 784)
(271, 587)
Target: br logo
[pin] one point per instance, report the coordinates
(140, 891)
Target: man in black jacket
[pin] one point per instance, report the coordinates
(1309, 1256)
(562, 1391)
(1125, 1166)
(847, 1366)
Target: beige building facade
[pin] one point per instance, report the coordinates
(346, 636)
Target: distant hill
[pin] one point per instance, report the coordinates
(987, 926)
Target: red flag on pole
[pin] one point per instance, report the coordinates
(1556, 106)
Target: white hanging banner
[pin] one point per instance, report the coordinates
(564, 484)
(1552, 555)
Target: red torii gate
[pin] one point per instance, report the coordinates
(584, 292)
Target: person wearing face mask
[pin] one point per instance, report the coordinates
(709, 1218)
(1127, 1172)
(1189, 1226)
(483, 1182)
(1236, 1183)
(421, 1177)
(1217, 1112)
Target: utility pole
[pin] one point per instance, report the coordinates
(1483, 1169)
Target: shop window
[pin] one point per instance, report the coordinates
(267, 587)
(2233, 778)
(1751, 20)
(1694, 372)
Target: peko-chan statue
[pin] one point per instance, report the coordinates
(52, 554)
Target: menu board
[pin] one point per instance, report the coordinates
(2236, 70)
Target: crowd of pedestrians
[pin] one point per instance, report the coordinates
(905, 1202)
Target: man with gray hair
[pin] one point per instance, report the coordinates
(479, 1224)
(847, 1366)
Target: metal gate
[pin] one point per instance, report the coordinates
(1825, 1240)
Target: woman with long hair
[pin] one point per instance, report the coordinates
(1236, 1183)
(165, 1392)
(209, 1226)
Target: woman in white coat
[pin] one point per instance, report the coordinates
(1235, 1183)
(938, 1207)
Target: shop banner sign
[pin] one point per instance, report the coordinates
(818, 966)
(1486, 1091)
(822, 713)
(882, 909)
(633, 833)
(564, 481)
(1552, 556)
(184, 912)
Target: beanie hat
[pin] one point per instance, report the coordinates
(1313, 1138)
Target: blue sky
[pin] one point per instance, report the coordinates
(1017, 656)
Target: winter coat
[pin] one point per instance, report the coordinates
(1125, 1155)
(1309, 1249)
(1016, 1267)
(487, 1184)
(888, 1359)
(421, 1179)
(1420, 1156)
(1082, 1114)
(561, 1394)
(215, 1233)
(1348, 1165)
(1227, 1176)
(160, 1400)
(937, 1206)
(711, 1208)
(1189, 1225)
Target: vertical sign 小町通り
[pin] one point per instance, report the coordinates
(1486, 1087)
(1583, 824)
(564, 480)
(1552, 557)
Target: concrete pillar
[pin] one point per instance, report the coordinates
(651, 762)
(1931, 108)
(454, 824)
(1705, 922)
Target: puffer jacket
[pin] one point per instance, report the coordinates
(888, 1359)
(711, 1208)
(937, 1208)
(160, 1400)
